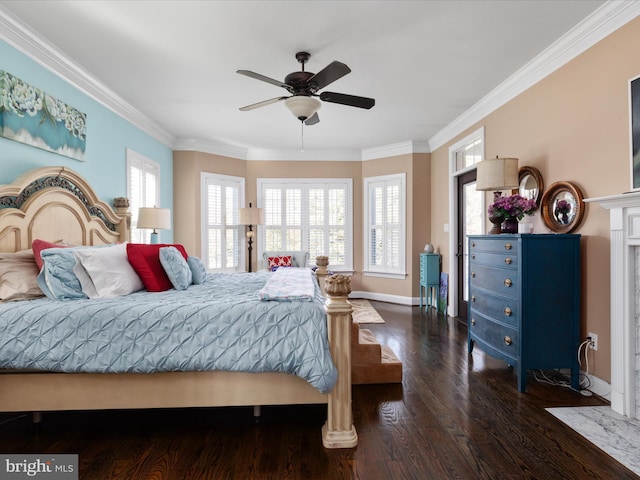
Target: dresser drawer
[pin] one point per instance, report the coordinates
(500, 280)
(502, 309)
(505, 260)
(499, 337)
(499, 245)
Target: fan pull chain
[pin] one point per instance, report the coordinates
(302, 136)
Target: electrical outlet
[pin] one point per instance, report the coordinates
(594, 341)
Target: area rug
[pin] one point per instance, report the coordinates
(363, 312)
(617, 435)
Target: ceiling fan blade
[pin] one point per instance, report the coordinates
(351, 100)
(329, 74)
(264, 103)
(257, 76)
(312, 120)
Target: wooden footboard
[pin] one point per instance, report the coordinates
(40, 392)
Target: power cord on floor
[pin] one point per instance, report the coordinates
(558, 379)
(584, 390)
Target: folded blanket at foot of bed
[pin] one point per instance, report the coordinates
(288, 285)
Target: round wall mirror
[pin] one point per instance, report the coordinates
(562, 207)
(530, 184)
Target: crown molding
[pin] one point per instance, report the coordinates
(210, 146)
(394, 149)
(258, 154)
(21, 37)
(602, 22)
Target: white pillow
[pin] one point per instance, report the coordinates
(109, 270)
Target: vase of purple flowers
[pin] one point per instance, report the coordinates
(511, 209)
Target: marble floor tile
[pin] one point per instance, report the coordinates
(616, 434)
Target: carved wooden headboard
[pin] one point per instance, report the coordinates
(55, 203)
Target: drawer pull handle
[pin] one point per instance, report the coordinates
(473, 256)
(473, 274)
(507, 311)
(508, 260)
(473, 244)
(473, 321)
(508, 282)
(507, 246)
(473, 298)
(507, 340)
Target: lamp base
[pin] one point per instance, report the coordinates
(154, 238)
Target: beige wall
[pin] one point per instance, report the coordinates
(572, 125)
(188, 166)
(187, 212)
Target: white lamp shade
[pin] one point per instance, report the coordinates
(302, 107)
(156, 218)
(250, 216)
(497, 174)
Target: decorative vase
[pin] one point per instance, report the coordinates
(496, 220)
(510, 225)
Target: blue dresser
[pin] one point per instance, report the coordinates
(524, 301)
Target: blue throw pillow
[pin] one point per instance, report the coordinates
(198, 270)
(56, 279)
(176, 267)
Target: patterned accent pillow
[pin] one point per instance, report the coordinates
(176, 268)
(198, 270)
(277, 262)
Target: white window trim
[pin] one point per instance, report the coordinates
(135, 159)
(367, 270)
(261, 182)
(204, 176)
(453, 215)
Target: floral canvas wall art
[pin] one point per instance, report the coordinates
(31, 116)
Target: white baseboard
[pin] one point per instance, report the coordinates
(383, 297)
(599, 387)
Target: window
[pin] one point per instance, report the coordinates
(143, 190)
(385, 224)
(313, 215)
(221, 240)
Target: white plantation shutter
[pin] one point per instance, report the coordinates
(143, 190)
(385, 226)
(222, 244)
(311, 215)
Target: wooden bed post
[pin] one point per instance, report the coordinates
(338, 431)
(322, 272)
(121, 205)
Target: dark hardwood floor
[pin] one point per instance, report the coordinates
(454, 417)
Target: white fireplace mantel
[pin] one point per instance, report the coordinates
(625, 237)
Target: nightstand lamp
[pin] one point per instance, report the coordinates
(154, 218)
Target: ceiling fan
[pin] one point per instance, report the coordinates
(303, 87)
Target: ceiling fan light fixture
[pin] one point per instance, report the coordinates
(302, 107)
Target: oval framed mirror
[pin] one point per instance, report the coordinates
(562, 207)
(530, 184)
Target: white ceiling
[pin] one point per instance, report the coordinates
(425, 62)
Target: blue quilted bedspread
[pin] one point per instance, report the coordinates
(219, 325)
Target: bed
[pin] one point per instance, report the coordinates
(55, 203)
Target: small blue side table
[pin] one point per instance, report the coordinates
(430, 279)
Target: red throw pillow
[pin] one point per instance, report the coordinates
(145, 260)
(283, 261)
(38, 245)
